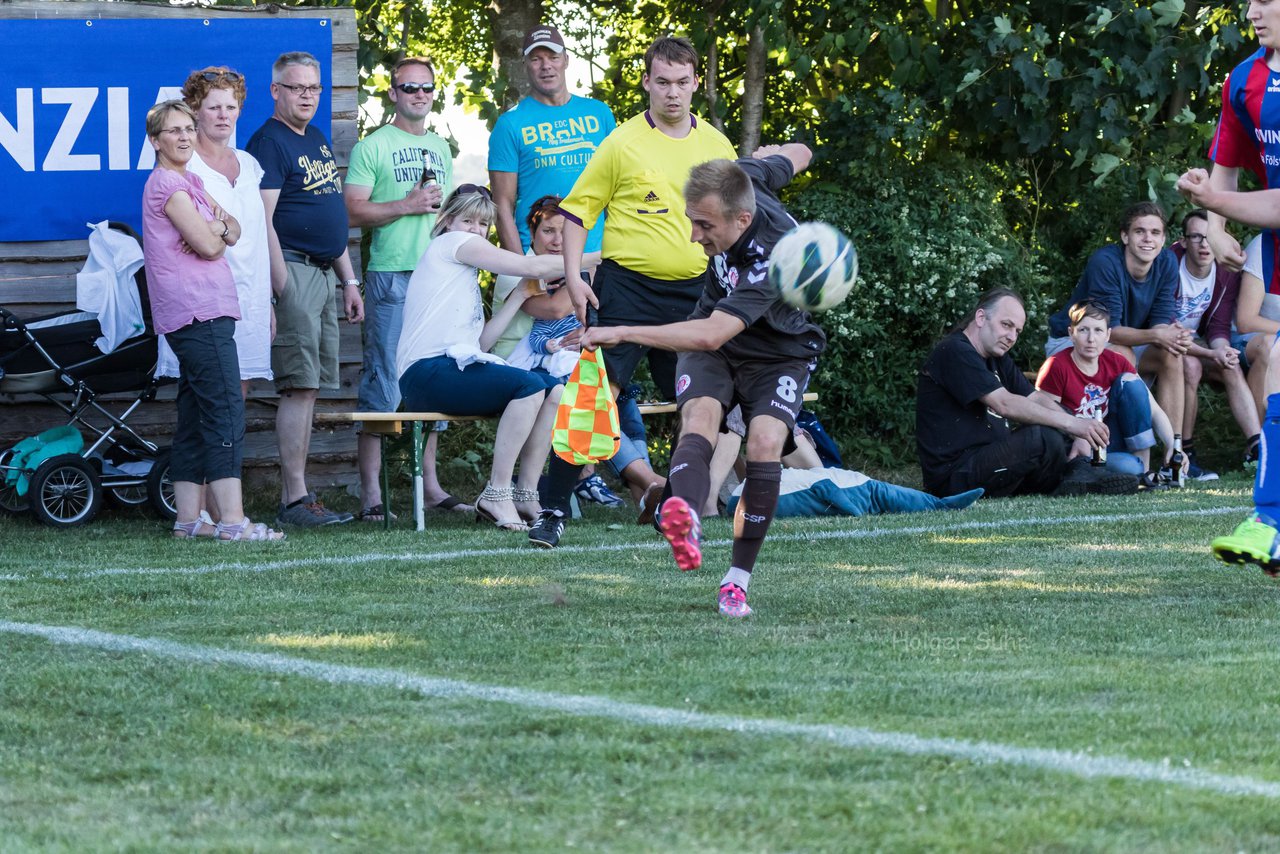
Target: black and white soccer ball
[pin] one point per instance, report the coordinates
(813, 266)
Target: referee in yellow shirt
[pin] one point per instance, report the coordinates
(652, 273)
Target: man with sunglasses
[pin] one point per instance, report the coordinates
(311, 271)
(540, 146)
(398, 176)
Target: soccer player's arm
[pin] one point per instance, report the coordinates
(706, 333)
(797, 153)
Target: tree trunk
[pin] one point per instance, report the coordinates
(711, 81)
(753, 92)
(510, 20)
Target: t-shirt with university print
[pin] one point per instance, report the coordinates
(389, 161)
(1080, 394)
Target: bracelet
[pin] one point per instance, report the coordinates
(355, 282)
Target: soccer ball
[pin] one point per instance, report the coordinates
(813, 266)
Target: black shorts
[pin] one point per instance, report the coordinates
(774, 387)
(628, 298)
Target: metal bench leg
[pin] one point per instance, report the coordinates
(386, 483)
(419, 519)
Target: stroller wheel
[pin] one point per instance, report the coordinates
(160, 488)
(129, 496)
(65, 491)
(10, 501)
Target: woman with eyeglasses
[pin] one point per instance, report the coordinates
(442, 359)
(194, 304)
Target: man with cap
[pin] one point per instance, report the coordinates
(541, 145)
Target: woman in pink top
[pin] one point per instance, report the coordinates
(194, 304)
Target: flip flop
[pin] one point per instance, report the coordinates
(376, 513)
(450, 503)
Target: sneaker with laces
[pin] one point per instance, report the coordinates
(308, 512)
(733, 601)
(679, 524)
(593, 489)
(1255, 540)
(1194, 472)
(548, 529)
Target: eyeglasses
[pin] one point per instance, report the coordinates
(1196, 238)
(179, 131)
(301, 90)
(233, 76)
(412, 88)
(468, 189)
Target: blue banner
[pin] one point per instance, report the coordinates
(74, 101)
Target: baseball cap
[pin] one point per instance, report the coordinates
(543, 36)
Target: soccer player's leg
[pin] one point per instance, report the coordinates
(703, 389)
(771, 395)
(1256, 540)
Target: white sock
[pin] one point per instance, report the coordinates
(736, 576)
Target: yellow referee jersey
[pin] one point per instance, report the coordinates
(638, 175)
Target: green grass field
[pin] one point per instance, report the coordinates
(1029, 674)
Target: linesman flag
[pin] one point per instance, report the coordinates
(586, 428)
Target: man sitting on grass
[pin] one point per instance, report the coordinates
(969, 391)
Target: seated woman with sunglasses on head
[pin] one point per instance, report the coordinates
(442, 361)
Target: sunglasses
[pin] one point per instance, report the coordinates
(413, 88)
(468, 189)
(234, 76)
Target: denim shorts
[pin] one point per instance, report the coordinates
(383, 316)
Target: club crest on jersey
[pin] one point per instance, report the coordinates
(727, 276)
(682, 384)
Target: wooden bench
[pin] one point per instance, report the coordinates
(392, 424)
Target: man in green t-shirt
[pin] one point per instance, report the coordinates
(398, 176)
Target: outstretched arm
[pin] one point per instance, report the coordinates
(707, 333)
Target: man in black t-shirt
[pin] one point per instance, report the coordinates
(741, 346)
(969, 390)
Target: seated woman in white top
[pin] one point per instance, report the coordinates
(442, 359)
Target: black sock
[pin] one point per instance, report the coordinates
(690, 476)
(562, 477)
(755, 511)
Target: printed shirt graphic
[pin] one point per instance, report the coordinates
(1078, 393)
(310, 215)
(1194, 296)
(547, 148)
(1248, 137)
(638, 175)
(390, 161)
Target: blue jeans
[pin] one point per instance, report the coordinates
(1129, 420)
(383, 316)
(633, 445)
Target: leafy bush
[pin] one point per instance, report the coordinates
(931, 237)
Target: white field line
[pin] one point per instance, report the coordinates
(525, 551)
(854, 738)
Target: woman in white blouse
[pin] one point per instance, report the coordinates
(442, 359)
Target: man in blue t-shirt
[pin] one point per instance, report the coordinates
(540, 147)
(1137, 281)
(311, 271)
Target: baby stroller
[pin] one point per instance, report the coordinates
(57, 475)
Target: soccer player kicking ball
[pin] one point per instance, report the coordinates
(1248, 136)
(741, 346)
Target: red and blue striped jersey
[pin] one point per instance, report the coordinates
(1248, 137)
